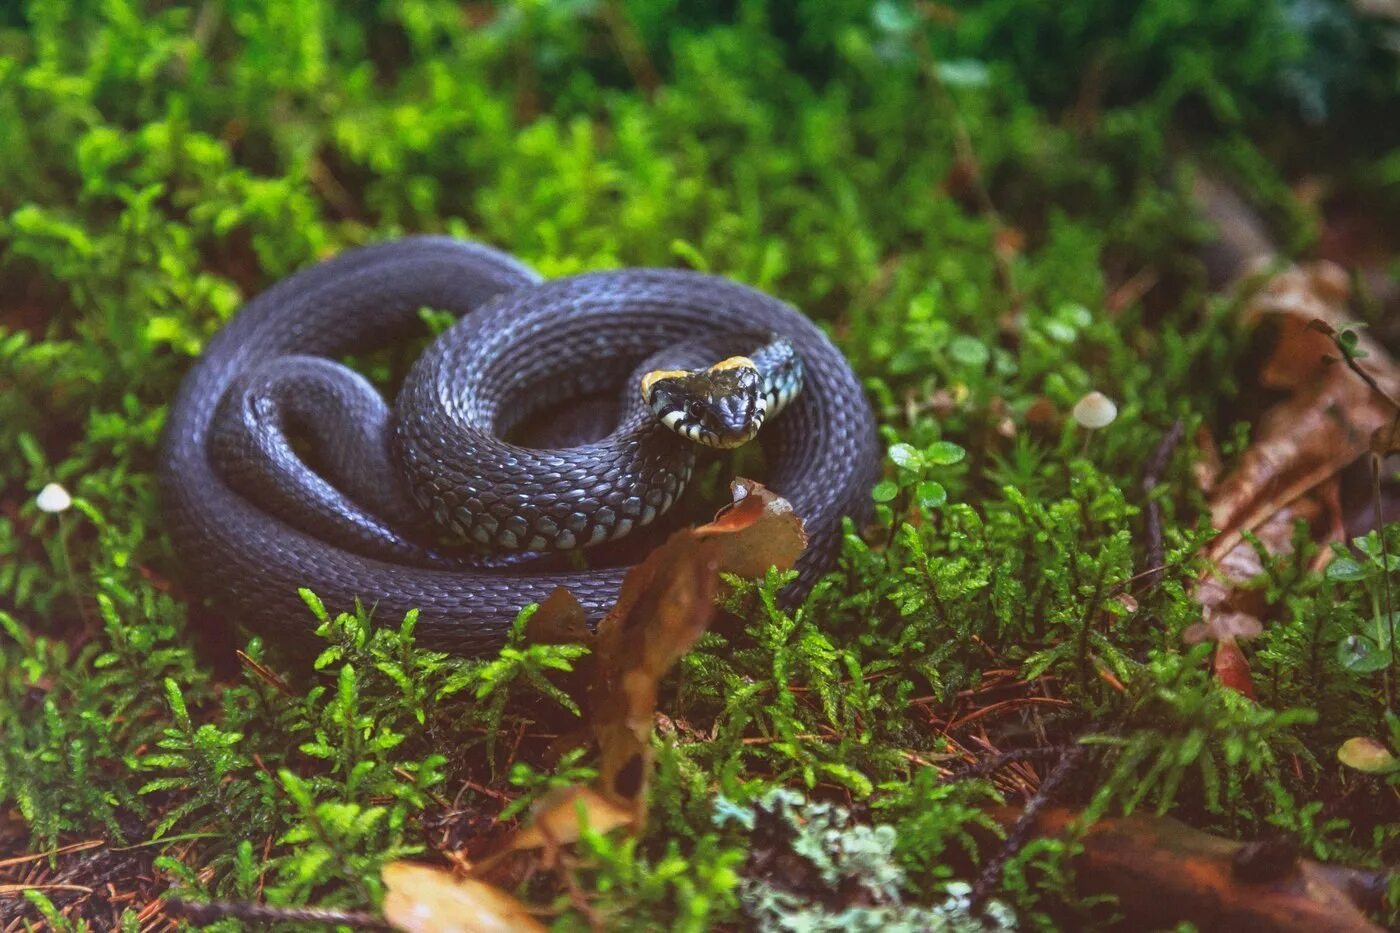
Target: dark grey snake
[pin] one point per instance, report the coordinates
(282, 468)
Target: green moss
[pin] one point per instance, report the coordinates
(162, 162)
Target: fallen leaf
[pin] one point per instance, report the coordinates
(1330, 417)
(559, 817)
(663, 607)
(758, 530)
(1164, 873)
(560, 620)
(1227, 626)
(422, 899)
(1232, 668)
(1367, 755)
(666, 603)
(1386, 439)
(1206, 471)
(1330, 413)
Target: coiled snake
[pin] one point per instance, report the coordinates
(282, 468)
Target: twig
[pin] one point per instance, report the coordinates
(997, 762)
(1348, 357)
(202, 913)
(62, 850)
(1024, 828)
(13, 889)
(1151, 476)
(630, 47)
(1003, 706)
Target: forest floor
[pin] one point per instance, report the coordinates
(1117, 647)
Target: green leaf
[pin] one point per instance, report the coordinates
(313, 602)
(907, 457)
(164, 784)
(969, 351)
(1074, 314)
(177, 702)
(328, 657)
(1344, 569)
(944, 453)
(963, 72)
(885, 490)
(1059, 331)
(931, 494)
(1360, 655)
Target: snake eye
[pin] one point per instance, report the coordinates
(695, 410)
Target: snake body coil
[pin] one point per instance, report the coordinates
(282, 468)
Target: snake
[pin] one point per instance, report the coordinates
(282, 468)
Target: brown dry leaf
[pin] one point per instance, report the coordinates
(756, 531)
(560, 620)
(1330, 417)
(1232, 667)
(557, 818)
(665, 605)
(1164, 873)
(1325, 424)
(1230, 610)
(1386, 440)
(422, 899)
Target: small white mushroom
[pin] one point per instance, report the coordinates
(1095, 411)
(53, 498)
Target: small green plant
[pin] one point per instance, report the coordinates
(1371, 565)
(913, 484)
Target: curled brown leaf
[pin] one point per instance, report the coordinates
(423, 899)
(1330, 416)
(1164, 873)
(665, 605)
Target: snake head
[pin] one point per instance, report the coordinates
(722, 406)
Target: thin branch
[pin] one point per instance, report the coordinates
(207, 912)
(1021, 833)
(1151, 476)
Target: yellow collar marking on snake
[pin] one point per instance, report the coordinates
(651, 378)
(734, 362)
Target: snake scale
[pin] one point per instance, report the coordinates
(282, 468)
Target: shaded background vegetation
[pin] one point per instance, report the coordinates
(989, 205)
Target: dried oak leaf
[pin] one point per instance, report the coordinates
(663, 607)
(422, 899)
(1329, 418)
(666, 603)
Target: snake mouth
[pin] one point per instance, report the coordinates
(722, 406)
